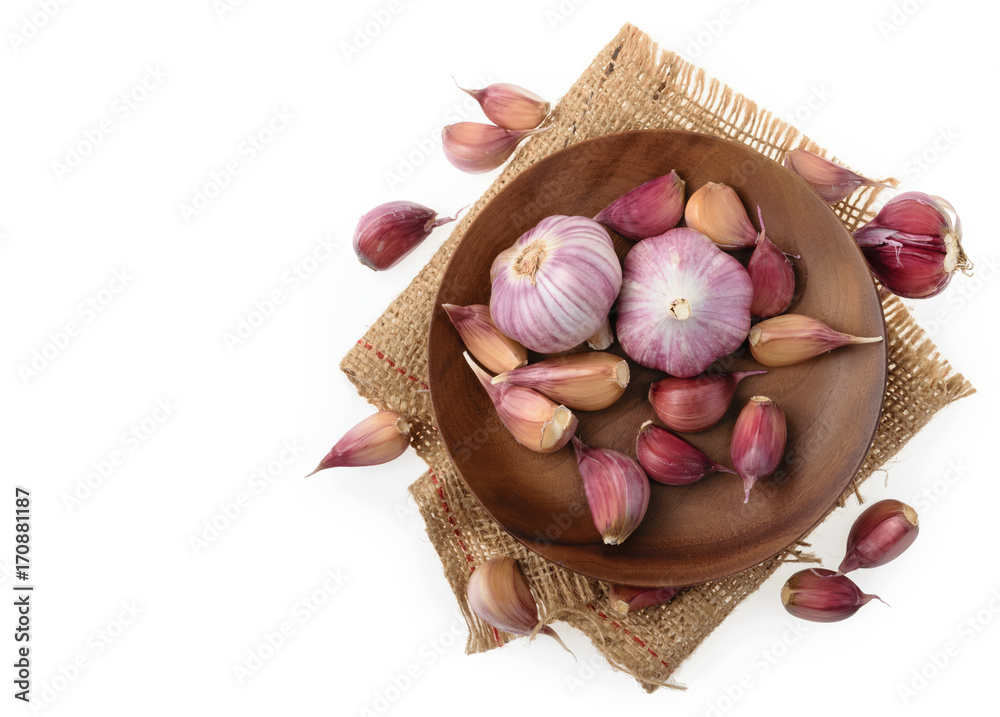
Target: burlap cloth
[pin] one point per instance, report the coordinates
(630, 85)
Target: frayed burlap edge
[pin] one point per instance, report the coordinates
(629, 85)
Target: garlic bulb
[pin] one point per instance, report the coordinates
(554, 287)
(684, 303)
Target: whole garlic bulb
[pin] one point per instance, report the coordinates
(553, 289)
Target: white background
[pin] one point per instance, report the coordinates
(901, 88)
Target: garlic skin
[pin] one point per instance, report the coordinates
(832, 181)
(585, 381)
(793, 338)
(820, 595)
(716, 211)
(378, 439)
(484, 340)
(648, 210)
(914, 245)
(758, 442)
(534, 421)
(625, 599)
(500, 597)
(880, 535)
(510, 106)
(617, 490)
(684, 303)
(476, 148)
(772, 277)
(553, 289)
(689, 405)
(671, 460)
(386, 234)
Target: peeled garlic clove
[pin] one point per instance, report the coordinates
(914, 245)
(672, 460)
(533, 420)
(377, 439)
(587, 381)
(772, 277)
(758, 442)
(793, 338)
(625, 599)
(488, 345)
(617, 490)
(879, 535)
(693, 404)
(475, 148)
(716, 211)
(552, 290)
(832, 181)
(500, 596)
(684, 303)
(510, 106)
(390, 231)
(648, 210)
(820, 595)
(603, 338)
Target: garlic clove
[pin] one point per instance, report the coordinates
(488, 345)
(793, 338)
(617, 490)
(386, 234)
(693, 404)
(586, 381)
(832, 181)
(820, 595)
(716, 211)
(772, 277)
(534, 421)
(475, 148)
(758, 442)
(603, 338)
(914, 245)
(625, 599)
(648, 210)
(500, 597)
(879, 535)
(671, 460)
(510, 106)
(377, 439)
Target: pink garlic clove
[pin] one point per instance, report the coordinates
(625, 599)
(671, 460)
(378, 439)
(389, 232)
(510, 106)
(693, 404)
(475, 148)
(586, 381)
(772, 277)
(617, 490)
(879, 535)
(758, 442)
(820, 595)
(832, 181)
(648, 210)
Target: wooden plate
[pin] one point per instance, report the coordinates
(695, 533)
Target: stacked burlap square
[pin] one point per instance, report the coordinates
(630, 85)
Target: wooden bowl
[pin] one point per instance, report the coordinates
(696, 533)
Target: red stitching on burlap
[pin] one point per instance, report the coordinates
(400, 371)
(627, 632)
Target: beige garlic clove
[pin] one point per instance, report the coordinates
(716, 211)
(586, 381)
(534, 421)
(604, 337)
(377, 439)
(617, 490)
(793, 338)
(500, 596)
(485, 342)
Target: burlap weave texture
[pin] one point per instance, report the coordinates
(630, 85)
